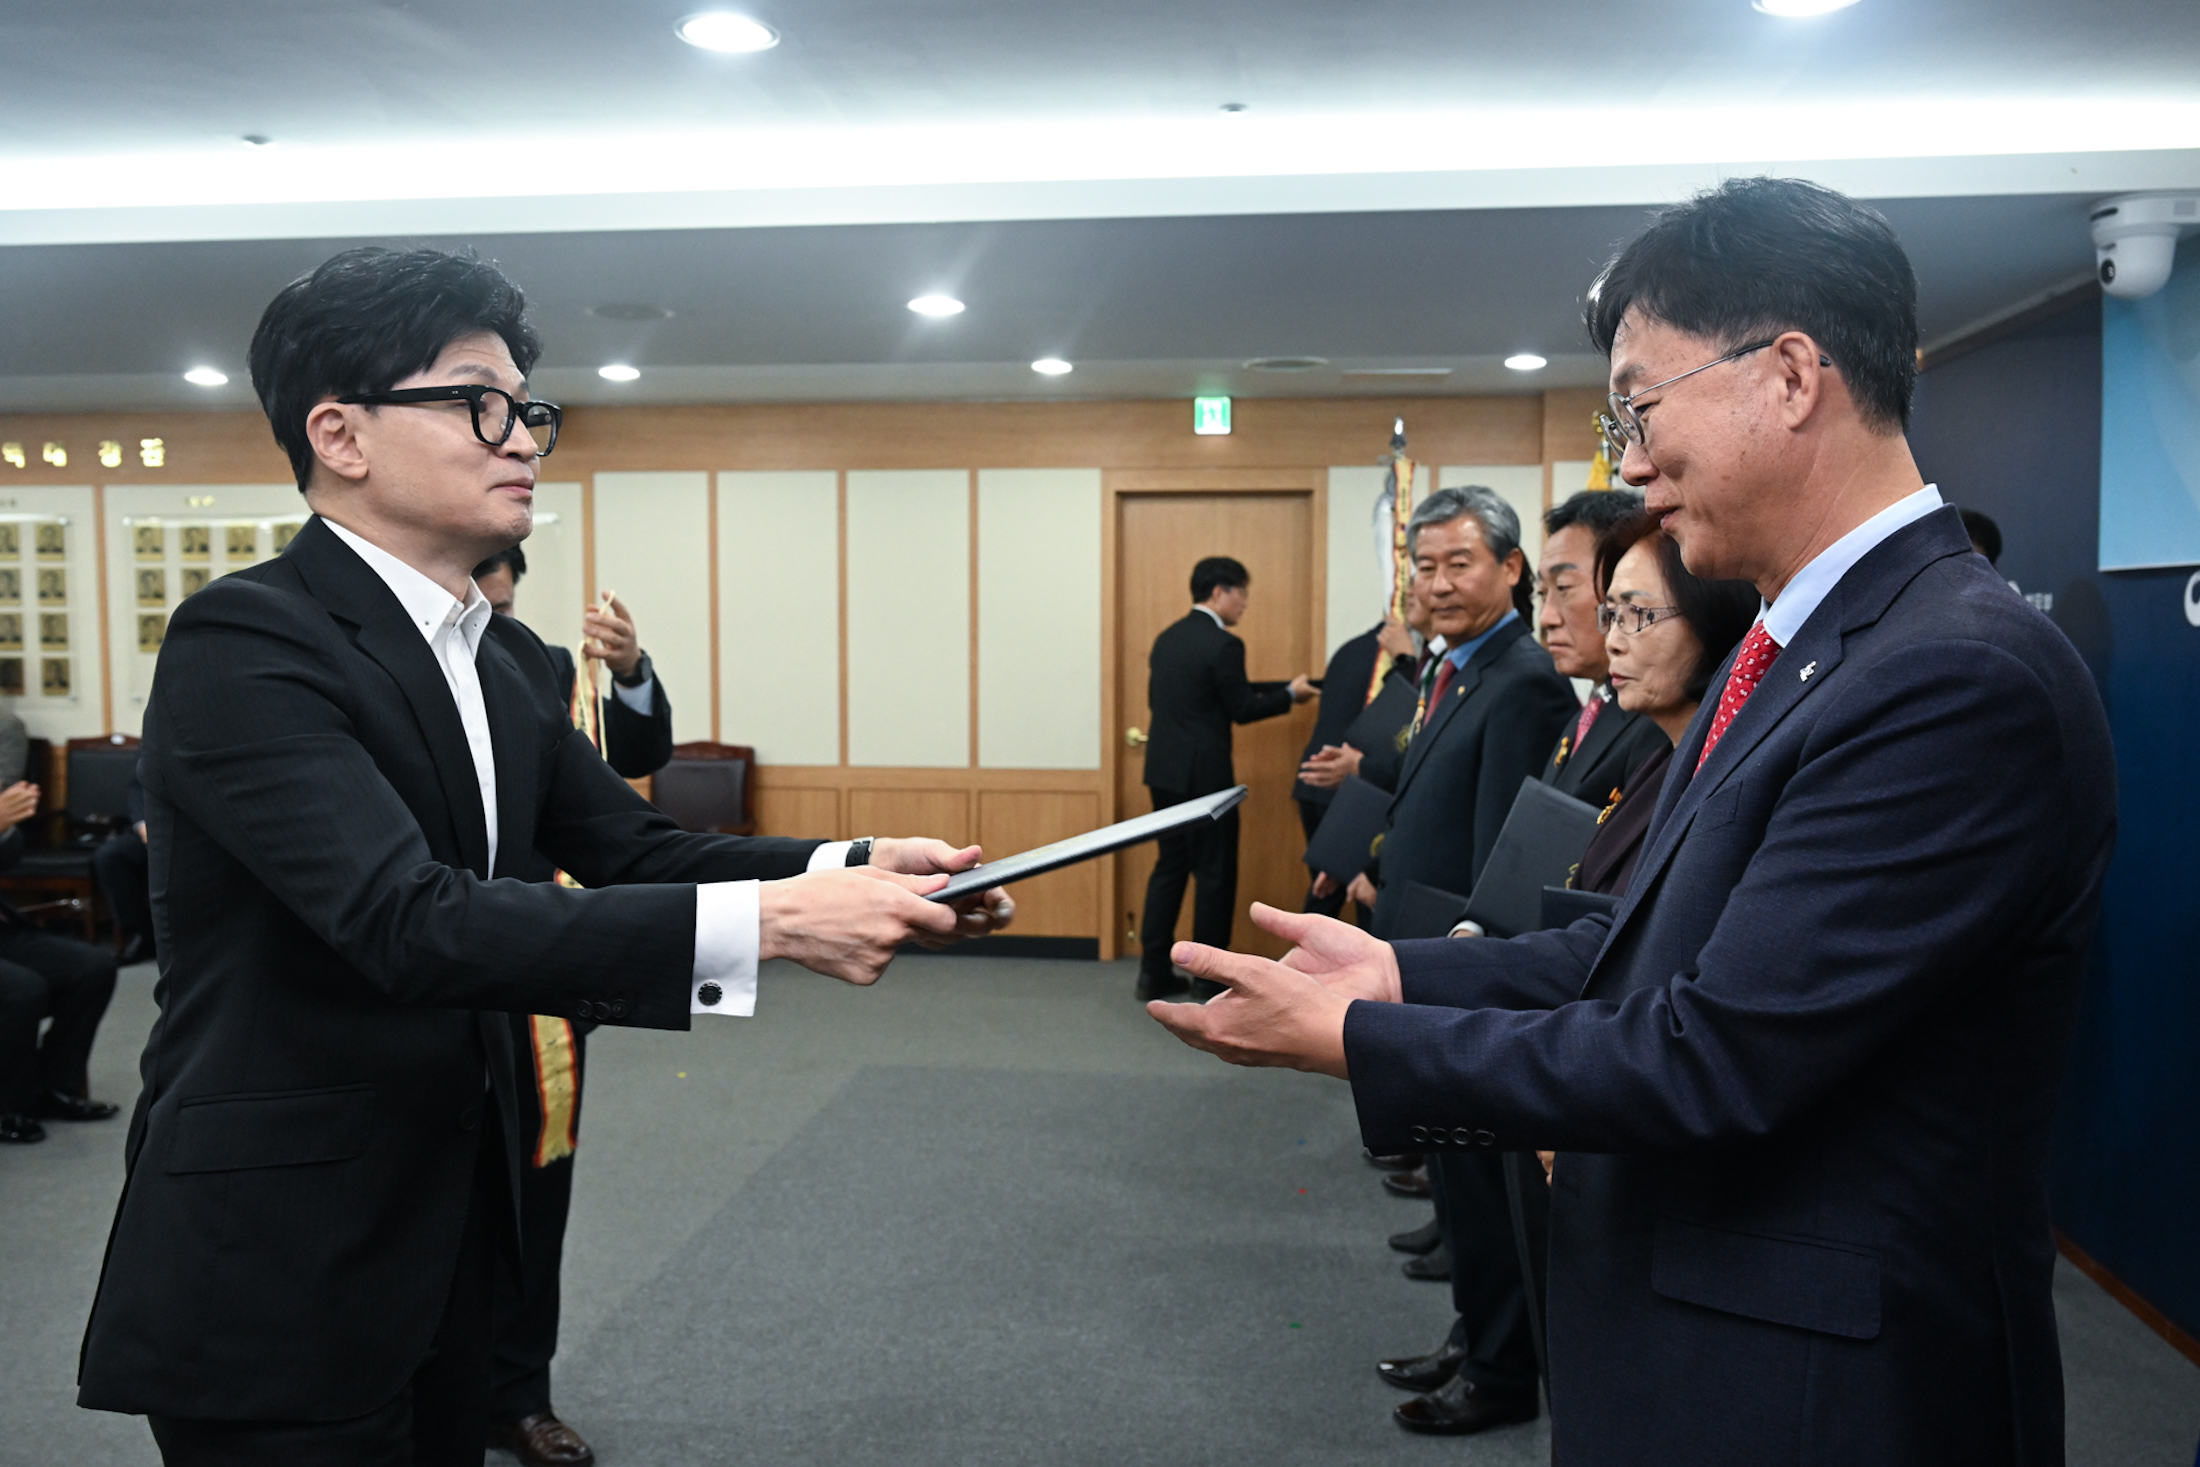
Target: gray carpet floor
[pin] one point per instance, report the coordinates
(987, 1212)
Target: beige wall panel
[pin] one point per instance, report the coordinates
(1358, 592)
(163, 510)
(805, 814)
(909, 618)
(1039, 618)
(550, 599)
(942, 814)
(1063, 903)
(1570, 476)
(1522, 487)
(779, 615)
(653, 549)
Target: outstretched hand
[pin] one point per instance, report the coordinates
(1290, 1014)
(988, 911)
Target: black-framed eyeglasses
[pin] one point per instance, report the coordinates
(1633, 619)
(495, 411)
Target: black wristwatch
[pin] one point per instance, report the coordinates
(859, 851)
(642, 673)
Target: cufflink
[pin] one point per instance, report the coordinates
(709, 995)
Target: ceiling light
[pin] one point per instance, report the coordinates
(629, 311)
(206, 377)
(618, 372)
(1797, 9)
(936, 305)
(1287, 364)
(1052, 367)
(722, 30)
(1526, 361)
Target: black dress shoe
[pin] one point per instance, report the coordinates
(1423, 1372)
(1407, 1184)
(1420, 1240)
(54, 1106)
(1459, 1407)
(21, 1130)
(1404, 1161)
(1171, 986)
(541, 1440)
(1433, 1267)
(1206, 988)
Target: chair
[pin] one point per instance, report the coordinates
(709, 787)
(92, 795)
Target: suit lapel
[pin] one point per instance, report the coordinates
(511, 735)
(353, 593)
(1463, 684)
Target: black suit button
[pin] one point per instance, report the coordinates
(1418, 1133)
(618, 1008)
(584, 1010)
(710, 995)
(1485, 1138)
(468, 1119)
(1463, 1137)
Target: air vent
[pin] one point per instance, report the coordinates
(1287, 364)
(629, 311)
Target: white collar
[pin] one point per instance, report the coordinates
(1203, 606)
(1784, 618)
(428, 605)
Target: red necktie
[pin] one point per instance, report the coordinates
(1756, 654)
(1589, 713)
(1443, 681)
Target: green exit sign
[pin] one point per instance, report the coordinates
(1211, 415)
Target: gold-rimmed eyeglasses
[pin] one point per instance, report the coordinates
(1624, 425)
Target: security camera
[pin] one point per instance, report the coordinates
(2135, 240)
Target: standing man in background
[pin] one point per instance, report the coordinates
(1197, 689)
(553, 1049)
(1606, 742)
(1350, 681)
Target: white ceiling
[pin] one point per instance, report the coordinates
(1416, 183)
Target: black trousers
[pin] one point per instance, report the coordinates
(124, 875)
(40, 976)
(1487, 1290)
(1206, 851)
(525, 1300)
(439, 1419)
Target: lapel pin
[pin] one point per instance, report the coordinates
(1808, 669)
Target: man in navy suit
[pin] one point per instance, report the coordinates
(1801, 1082)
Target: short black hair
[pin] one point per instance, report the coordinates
(1984, 533)
(1720, 613)
(366, 320)
(511, 557)
(1217, 571)
(1595, 510)
(1758, 256)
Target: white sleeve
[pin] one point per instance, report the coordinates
(830, 856)
(728, 936)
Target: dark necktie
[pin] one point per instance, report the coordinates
(1750, 663)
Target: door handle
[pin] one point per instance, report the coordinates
(1134, 736)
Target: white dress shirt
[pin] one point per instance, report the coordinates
(728, 921)
(1802, 595)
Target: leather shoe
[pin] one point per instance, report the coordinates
(1432, 1267)
(54, 1106)
(1459, 1407)
(1407, 1184)
(1404, 1161)
(1420, 1240)
(21, 1130)
(1168, 986)
(1423, 1372)
(541, 1440)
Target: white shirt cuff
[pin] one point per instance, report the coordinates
(728, 936)
(642, 697)
(830, 856)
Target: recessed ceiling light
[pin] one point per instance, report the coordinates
(722, 30)
(1797, 9)
(618, 372)
(1052, 367)
(1526, 361)
(936, 305)
(206, 377)
(258, 140)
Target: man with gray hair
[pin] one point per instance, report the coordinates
(1492, 706)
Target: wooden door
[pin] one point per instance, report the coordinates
(1159, 537)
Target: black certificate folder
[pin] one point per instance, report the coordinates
(1543, 840)
(1104, 841)
(1343, 843)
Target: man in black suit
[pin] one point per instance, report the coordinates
(1196, 690)
(1594, 757)
(1327, 761)
(346, 759)
(1802, 1082)
(637, 716)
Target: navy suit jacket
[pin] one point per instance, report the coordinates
(1493, 729)
(1802, 1080)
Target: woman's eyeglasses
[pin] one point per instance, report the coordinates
(1631, 618)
